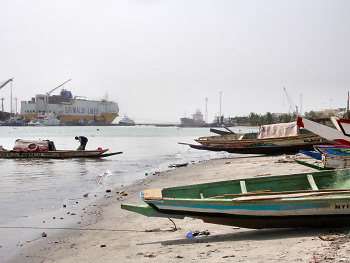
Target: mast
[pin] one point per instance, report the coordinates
(11, 99)
(220, 108)
(347, 108)
(206, 110)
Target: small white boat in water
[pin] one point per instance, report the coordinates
(126, 121)
(49, 119)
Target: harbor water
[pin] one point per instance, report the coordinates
(34, 191)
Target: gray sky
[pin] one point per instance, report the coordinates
(160, 59)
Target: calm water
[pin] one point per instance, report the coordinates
(32, 191)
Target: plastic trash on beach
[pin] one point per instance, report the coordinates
(189, 234)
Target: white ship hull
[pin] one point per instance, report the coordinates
(72, 110)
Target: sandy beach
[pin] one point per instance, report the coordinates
(109, 234)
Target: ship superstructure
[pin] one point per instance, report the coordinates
(196, 120)
(69, 109)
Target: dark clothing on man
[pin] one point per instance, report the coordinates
(83, 141)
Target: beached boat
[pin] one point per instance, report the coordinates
(318, 199)
(271, 139)
(326, 148)
(329, 162)
(326, 132)
(47, 149)
(342, 125)
(335, 161)
(344, 150)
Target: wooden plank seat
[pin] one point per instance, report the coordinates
(154, 194)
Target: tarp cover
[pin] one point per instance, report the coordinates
(34, 145)
(278, 130)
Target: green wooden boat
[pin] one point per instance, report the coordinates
(318, 199)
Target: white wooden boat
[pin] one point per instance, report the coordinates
(324, 131)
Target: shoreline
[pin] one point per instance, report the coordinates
(111, 234)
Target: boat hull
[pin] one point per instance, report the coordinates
(257, 221)
(269, 146)
(56, 154)
(266, 148)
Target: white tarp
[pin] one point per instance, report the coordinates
(278, 130)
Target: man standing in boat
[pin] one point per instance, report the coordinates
(83, 141)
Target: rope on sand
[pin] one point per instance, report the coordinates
(84, 229)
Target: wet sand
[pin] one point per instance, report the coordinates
(110, 234)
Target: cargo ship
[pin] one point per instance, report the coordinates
(196, 120)
(70, 110)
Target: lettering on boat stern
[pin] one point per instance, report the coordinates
(27, 154)
(312, 140)
(315, 140)
(341, 206)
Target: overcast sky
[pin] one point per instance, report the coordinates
(160, 59)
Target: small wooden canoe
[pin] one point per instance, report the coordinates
(46, 149)
(58, 154)
(318, 199)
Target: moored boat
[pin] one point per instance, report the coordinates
(126, 121)
(69, 109)
(196, 120)
(48, 119)
(318, 199)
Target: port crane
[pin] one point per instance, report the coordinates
(2, 99)
(49, 93)
(5, 83)
(291, 103)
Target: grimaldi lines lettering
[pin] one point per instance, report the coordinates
(81, 110)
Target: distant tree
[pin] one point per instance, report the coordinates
(269, 118)
(310, 115)
(254, 119)
(285, 118)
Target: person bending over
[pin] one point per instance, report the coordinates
(83, 141)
